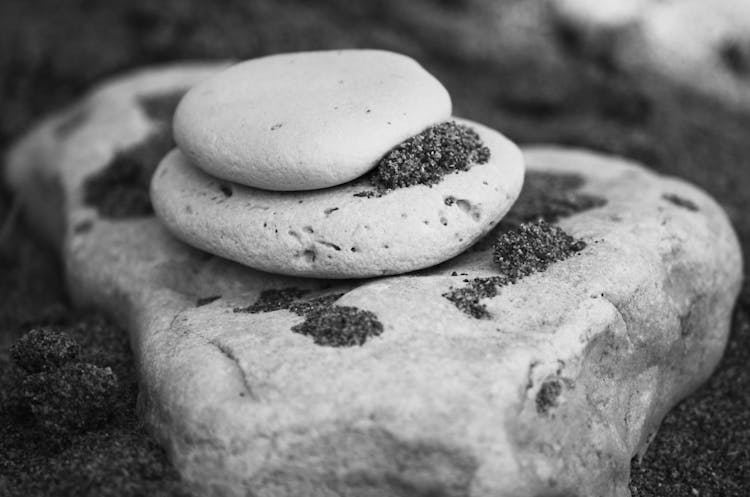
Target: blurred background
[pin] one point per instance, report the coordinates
(663, 82)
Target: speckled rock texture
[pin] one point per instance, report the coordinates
(539, 362)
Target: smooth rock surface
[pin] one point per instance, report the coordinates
(307, 120)
(333, 233)
(552, 394)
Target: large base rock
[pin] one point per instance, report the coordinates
(543, 373)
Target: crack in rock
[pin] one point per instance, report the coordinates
(229, 354)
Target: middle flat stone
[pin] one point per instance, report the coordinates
(304, 121)
(347, 231)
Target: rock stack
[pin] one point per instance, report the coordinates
(334, 165)
(537, 361)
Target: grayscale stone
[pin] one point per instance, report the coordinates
(548, 386)
(307, 120)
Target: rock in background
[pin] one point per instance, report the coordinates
(533, 80)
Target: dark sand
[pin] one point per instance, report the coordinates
(51, 51)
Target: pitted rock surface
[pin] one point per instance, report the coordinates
(552, 395)
(334, 232)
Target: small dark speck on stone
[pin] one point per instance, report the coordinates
(680, 201)
(273, 300)
(547, 397)
(226, 190)
(368, 194)
(276, 126)
(335, 247)
(206, 300)
(340, 326)
(578, 246)
(330, 210)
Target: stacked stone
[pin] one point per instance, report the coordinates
(332, 164)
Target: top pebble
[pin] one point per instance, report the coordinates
(304, 121)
